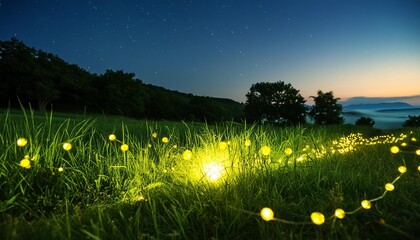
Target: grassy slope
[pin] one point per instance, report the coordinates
(151, 191)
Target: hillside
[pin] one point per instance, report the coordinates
(44, 80)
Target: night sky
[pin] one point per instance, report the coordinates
(221, 47)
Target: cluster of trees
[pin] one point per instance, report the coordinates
(280, 103)
(30, 76)
(38, 78)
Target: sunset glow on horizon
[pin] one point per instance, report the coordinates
(353, 48)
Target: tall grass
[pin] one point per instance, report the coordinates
(203, 181)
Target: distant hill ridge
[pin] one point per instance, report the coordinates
(377, 106)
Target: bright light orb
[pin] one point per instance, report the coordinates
(67, 146)
(213, 171)
(366, 204)
(403, 144)
(267, 214)
(418, 152)
(413, 139)
(288, 151)
(124, 147)
(21, 142)
(317, 218)
(395, 149)
(154, 135)
(187, 155)
(247, 143)
(402, 169)
(165, 140)
(265, 150)
(25, 163)
(223, 145)
(418, 168)
(60, 169)
(340, 213)
(112, 137)
(389, 187)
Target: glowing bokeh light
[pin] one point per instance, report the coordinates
(288, 151)
(124, 147)
(112, 137)
(213, 171)
(67, 146)
(389, 187)
(340, 213)
(366, 204)
(25, 163)
(21, 142)
(187, 155)
(267, 214)
(265, 150)
(402, 169)
(317, 218)
(394, 149)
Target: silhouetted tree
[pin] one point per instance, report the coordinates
(326, 110)
(412, 121)
(365, 121)
(276, 102)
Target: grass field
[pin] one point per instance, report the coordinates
(101, 177)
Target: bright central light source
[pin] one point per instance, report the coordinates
(213, 171)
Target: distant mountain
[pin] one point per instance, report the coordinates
(377, 106)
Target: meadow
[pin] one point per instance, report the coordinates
(69, 176)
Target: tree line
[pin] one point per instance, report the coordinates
(43, 80)
(37, 78)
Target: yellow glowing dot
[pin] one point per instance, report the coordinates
(418, 152)
(124, 147)
(187, 154)
(25, 163)
(418, 168)
(366, 204)
(402, 169)
(265, 150)
(395, 149)
(21, 142)
(413, 139)
(267, 214)
(223, 145)
(165, 139)
(288, 151)
(60, 169)
(340, 213)
(149, 145)
(389, 187)
(154, 135)
(317, 218)
(247, 143)
(67, 146)
(403, 144)
(112, 137)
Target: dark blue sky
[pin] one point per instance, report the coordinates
(221, 47)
